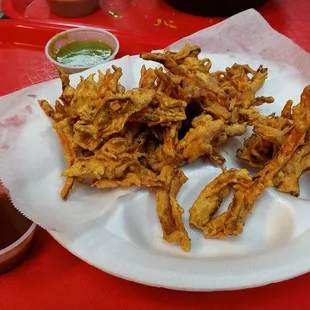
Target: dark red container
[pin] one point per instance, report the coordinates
(215, 7)
(73, 8)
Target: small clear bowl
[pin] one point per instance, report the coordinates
(79, 34)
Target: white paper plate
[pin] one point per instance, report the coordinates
(275, 245)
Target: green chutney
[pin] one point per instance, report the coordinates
(83, 53)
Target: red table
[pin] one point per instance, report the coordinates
(291, 17)
(54, 279)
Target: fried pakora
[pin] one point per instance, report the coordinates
(210, 199)
(168, 209)
(223, 95)
(276, 172)
(113, 137)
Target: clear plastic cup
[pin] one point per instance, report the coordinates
(80, 34)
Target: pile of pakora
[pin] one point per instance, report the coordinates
(180, 111)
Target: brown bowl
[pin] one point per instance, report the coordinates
(73, 8)
(16, 234)
(215, 7)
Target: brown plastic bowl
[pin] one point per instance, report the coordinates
(215, 7)
(14, 253)
(73, 8)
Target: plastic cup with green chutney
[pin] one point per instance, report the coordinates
(79, 49)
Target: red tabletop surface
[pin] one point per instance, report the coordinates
(52, 278)
(290, 17)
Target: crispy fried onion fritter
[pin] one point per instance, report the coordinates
(113, 137)
(168, 209)
(269, 133)
(281, 171)
(209, 200)
(223, 95)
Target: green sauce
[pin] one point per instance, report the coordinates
(83, 53)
